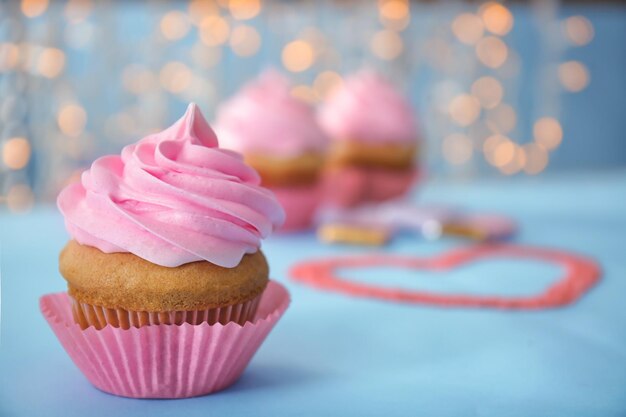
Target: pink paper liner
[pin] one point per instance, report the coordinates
(300, 204)
(164, 361)
(351, 186)
(97, 316)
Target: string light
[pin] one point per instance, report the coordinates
(457, 148)
(497, 18)
(387, 44)
(574, 76)
(214, 30)
(395, 14)
(174, 25)
(516, 163)
(488, 91)
(72, 120)
(499, 150)
(51, 62)
(175, 76)
(548, 133)
(204, 56)
(326, 82)
(245, 40)
(304, 93)
(468, 28)
(244, 9)
(464, 109)
(199, 9)
(578, 30)
(491, 51)
(20, 198)
(16, 153)
(34, 8)
(9, 56)
(536, 158)
(298, 56)
(502, 118)
(138, 80)
(77, 10)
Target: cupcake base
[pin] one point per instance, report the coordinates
(164, 361)
(89, 315)
(351, 186)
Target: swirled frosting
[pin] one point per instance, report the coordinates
(173, 197)
(264, 118)
(368, 108)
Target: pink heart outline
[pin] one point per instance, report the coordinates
(580, 275)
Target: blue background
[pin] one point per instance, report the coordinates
(336, 355)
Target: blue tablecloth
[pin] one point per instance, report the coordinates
(336, 355)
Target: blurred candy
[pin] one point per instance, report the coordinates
(355, 234)
(369, 223)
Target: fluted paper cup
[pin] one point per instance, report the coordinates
(97, 316)
(164, 361)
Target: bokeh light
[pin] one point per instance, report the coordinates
(9, 56)
(497, 18)
(387, 44)
(517, 163)
(298, 56)
(78, 10)
(325, 82)
(72, 120)
(457, 148)
(464, 109)
(244, 9)
(578, 30)
(574, 76)
(205, 56)
(34, 8)
(502, 118)
(304, 93)
(499, 150)
(20, 198)
(468, 28)
(395, 14)
(51, 62)
(174, 25)
(199, 9)
(488, 91)
(138, 80)
(175, 76)
(548, 133)
(536, 158)
(214, 30)
(491, 51)
(245, 40)
(16, 153)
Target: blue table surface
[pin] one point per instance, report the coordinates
(336, 355)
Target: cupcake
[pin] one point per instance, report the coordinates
(278, 136)
(374, 137)
(165, 264)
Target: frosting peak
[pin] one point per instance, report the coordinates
(264, 118)
(368, 108)
(173, 197)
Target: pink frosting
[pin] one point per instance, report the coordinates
(172, 198)
(368, 108)
(265, 118)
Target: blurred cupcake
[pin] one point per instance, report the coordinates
(164, 271)
(278, 136)
(374, 141)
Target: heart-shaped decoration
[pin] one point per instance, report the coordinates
(580, 275)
